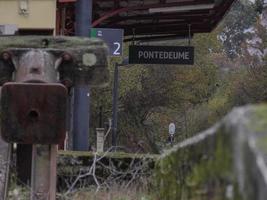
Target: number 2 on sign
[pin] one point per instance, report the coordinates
(118, 46)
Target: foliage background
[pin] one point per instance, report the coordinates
(193, 97)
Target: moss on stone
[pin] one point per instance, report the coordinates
(258, 126)
(200, 171)
(49, 42)
(118, 155)
(258, 121)
(262, 144)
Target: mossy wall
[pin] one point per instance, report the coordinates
(220, 163)
(197, 171)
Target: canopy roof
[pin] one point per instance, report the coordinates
(159, 18)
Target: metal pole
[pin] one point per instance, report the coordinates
(100, 122)
(115, 105)
(81, 118)
(81, 91)
(44, 175)
(83, 16)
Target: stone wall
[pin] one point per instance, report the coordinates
(227, 161)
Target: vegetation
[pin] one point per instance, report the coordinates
(208, 175)
(225, 74)
(193, 97)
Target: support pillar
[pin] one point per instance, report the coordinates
(81, 91)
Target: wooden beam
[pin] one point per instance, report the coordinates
(66, 1)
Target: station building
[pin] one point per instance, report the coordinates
(30, 17)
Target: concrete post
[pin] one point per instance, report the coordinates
(100, 134)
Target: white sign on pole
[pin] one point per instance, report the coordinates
(171, 128)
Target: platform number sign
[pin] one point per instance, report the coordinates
(113, 38)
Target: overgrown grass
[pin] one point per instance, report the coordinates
(116, 192)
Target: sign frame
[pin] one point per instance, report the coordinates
(174, 55)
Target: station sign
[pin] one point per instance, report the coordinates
(112, 37)
(181, 55)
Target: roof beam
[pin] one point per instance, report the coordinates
(145, 7)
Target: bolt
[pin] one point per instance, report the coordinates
(6, 56)
(67, 82)
(66, 57)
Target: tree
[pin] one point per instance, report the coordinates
(235, 26)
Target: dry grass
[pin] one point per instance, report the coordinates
(115, 193)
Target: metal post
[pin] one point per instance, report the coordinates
(83, 16)
(115, 105)
(115, 100)
(44, 172)
(81, 118)
(82, 92)
(100, 122)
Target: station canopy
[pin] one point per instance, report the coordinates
(159, 18)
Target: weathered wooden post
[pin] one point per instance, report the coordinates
(36, 73)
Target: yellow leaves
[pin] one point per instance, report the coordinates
(130, 78)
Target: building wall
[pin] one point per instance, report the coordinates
(41, 14)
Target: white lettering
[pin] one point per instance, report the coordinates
(181, 55)
(151, 54)
(186, 55)
(161, 55)
(166, 54)
(157, 54)
(175, 56)
(146, 54)
(140, 54)
(171, 55)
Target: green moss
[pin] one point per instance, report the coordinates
(200, 171)
(258, 122)
(108, 155)
(258, 125)
(215, 171)
(262, 144)
(59, 42)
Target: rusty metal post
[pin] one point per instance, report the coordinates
(44, 175)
